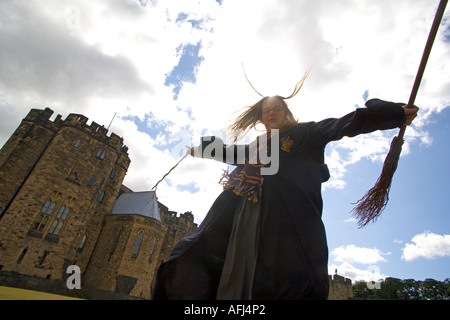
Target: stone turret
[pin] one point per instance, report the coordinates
(340, 288)
(58, 179)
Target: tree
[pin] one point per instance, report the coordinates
(409, 289)
(434, 290)
(390, 289)
(360, 290)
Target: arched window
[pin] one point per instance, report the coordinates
(91, 181)
(77, 143)
(43, 216)
(101, 154)
(138, 243)
(102, 195)
(57, 225)
(153, 250)
(22, 255)
(43, 257)
(82, 242)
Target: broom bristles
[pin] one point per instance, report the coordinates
(370, 207)
(373, 203)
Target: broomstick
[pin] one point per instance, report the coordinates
(188, 152)
(370, 207)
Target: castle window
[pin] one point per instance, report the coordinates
(44, 256)
(22, 255)
(43, 216)
(102, 195)
(153, 250)
(77, 143)
(138, 244)
(82, 242)
(91, 181)
(112, 174)
(57, 225)
(101, 154)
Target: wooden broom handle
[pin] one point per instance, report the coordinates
(426, 54)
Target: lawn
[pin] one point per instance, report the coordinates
(8, 293)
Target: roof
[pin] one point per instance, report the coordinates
(142, 203)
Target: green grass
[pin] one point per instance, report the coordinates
(8, 293)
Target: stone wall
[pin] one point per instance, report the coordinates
(121, 263)
(55, 189)
(340, 288)
(178, 227)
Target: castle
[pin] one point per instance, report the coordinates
(62, 203)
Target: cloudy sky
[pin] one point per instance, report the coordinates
(171, 72)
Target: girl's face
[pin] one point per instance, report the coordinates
(273, 113)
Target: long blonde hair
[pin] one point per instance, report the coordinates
(252, 115)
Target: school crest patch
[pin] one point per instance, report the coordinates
(286, 144)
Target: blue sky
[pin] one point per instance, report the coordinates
(172, 72)
(185, 69)
(416, 206)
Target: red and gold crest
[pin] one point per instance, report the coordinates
(286, 144)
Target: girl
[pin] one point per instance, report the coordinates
(263, 237)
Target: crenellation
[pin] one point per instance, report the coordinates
(340, 288)
(101, 133)
(39, 115)
(94, 127)
(58, 120)
(116, 141)
(94, 130)
(42, 119)
(76, 120)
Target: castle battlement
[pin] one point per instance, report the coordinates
(42, 117)
(339, 279)
(39, 115)
(78, 121)
(188, 216)
(340, 288)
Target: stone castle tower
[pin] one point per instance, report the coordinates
(60, 183)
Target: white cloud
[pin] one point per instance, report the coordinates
(427, 245)
(354, 254)
(347, 270)
(149, 164)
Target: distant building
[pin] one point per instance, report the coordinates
(62, 203)
(340, 288)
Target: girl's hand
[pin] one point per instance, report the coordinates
(410, 114)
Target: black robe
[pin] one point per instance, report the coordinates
(292, 253)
